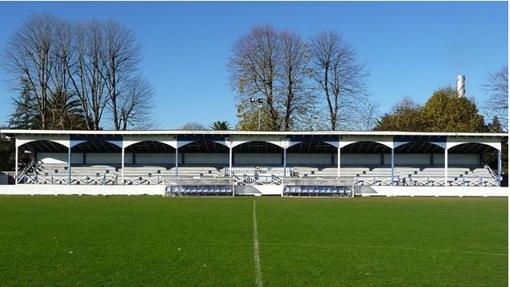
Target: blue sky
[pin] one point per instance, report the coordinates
(409, 48)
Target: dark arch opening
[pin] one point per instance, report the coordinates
(29, 151)
(257, 153)
(419, 147)
(419, 154)
(149, 147)
(96, 146)
(258, 147)
(312, 154)
(365, 147)
(312, 147)
(43, 146)
(486, 154)
(98, 152)
(204, 146)
(204, 153)
(365, 154)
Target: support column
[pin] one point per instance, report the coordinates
(16, 161)
(69, 164)
(499, 167)
(122, 165)
(230, 161)
(338, 163)
(392, 166)
(284, 162)
(177, 160)
(446, 166)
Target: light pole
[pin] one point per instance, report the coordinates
(260, 101)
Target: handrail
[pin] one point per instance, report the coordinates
(25, 170)
(491, 172)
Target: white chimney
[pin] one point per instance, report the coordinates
(461, 86)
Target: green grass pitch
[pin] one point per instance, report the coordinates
(154, 241)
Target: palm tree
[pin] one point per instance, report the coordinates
(220, 126)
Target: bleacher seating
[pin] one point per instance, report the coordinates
(57, 173)
(197, 171)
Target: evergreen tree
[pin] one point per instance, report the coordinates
(495, 126)
(25, 115)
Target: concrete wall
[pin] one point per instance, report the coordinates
(104, 158)
(359, 159)
(438, 191)
(258, 159)
(3, 178)
(458, 159)
(47, 189)
(261, 158)
(309, 158)
(206, 158)
(155, 158)
(408, 159)
(33, 189)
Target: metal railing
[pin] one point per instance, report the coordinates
(143, 180)
(491, 172)
(31, 166)
(259, 179)
(64, 179)
(375, 180)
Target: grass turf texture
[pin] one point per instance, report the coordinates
(154, 241)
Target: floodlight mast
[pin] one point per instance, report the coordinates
(260, 101)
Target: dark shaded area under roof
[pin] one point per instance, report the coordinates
(206, 146)
(258, 147)
(149, 147)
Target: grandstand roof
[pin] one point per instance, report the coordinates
(235, 132)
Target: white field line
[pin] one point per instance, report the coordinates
(256, 252)
(387, 247)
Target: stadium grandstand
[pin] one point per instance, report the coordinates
(312, 163)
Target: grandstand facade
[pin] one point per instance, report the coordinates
(237, 162)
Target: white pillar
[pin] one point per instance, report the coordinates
(16, 161)
(284, 162)
(69, 164)
(177, 160)
(338, 165)
(122, 165)
(230, 161)
(446, 166)
(499, 167)
(392, 166)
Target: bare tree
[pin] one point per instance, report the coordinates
(76, 72)
(62, 105)
(119, 60)
(253, 70)
(497, 102)
(296, 94)
(86, 76)
(135, 105)
(365, 116)
(338, 74)
(29, 55)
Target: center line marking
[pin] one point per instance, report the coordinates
(256, 252)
